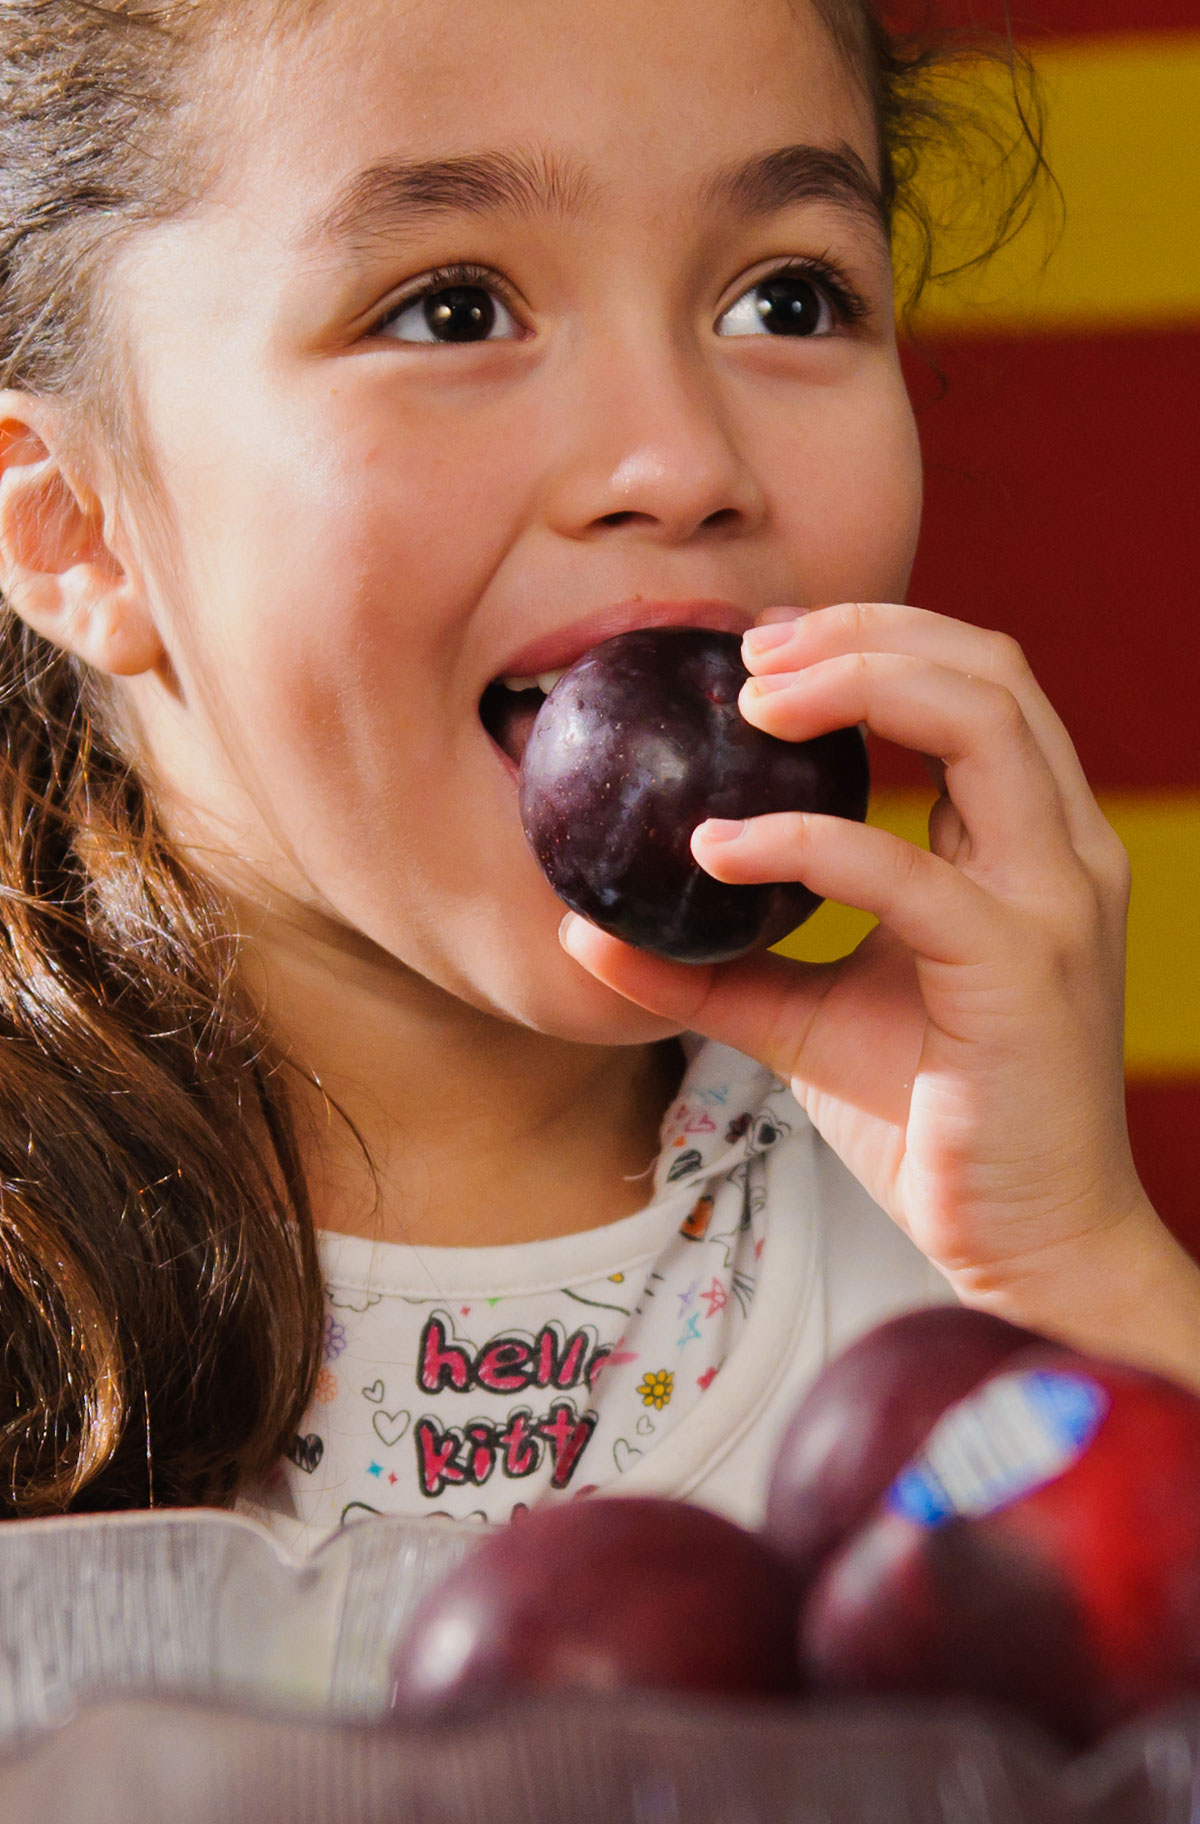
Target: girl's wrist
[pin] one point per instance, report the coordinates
(1128, 1290)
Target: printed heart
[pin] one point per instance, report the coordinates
(306, 1452)
(374, 1392)
(353, 1508)
(625, 1454)
(645, 1424)
(390, 1427)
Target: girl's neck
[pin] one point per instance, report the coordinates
(438, 1125)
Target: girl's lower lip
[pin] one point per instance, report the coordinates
(506, 760)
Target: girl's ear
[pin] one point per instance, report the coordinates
(57, 569)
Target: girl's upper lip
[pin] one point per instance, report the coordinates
(555, 651)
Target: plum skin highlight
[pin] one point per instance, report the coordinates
(638, 743)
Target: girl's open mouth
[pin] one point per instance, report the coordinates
(511, 701)
(508, 707)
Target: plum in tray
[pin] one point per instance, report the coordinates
(869, 1410)
(636, 745)
(974, 1511)
(605, 1594)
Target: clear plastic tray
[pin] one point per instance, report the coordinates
(614, 1761)
(206, 1603)
(180, 1667)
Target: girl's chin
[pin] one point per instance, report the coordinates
(574, 1007)
(631, 1026)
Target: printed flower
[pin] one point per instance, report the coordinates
(335, 1337)
(656, 1389)
(326, 1389)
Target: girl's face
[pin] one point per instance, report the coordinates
(505, 328)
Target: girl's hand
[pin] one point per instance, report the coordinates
(966, 1061)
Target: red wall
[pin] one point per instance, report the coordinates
(1062, 506)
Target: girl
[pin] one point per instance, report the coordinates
(367, 360)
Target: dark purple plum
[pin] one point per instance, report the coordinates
(639, 742)
(866, 1414)
(1040, 1550)
(633, 1592)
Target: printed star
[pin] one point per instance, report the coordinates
(464, 1310)
(692, 1332)
(716, 1298)
(689, 1297)
(375, 1469)
(392, 1477)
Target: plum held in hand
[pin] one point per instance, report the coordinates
(633, 1592)
(1042, 1549)
(636, 745)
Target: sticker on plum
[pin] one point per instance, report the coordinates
(1018, 1432)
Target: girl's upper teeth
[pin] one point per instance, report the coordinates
(544, 681)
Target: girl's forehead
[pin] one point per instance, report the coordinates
(675, 86)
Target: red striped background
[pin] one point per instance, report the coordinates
(1062, 506)
(1035, 20)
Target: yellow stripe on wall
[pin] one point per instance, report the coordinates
(1123, 115)
(1162, 835)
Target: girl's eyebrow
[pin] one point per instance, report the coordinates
(393, 195)
(770, 181)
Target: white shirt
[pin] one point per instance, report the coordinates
(661, 1353)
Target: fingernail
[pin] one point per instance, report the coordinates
(722, 829)
(765, 639)
(566, 927)
(762, 687)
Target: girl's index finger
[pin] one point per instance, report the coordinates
(998, 777)
(897, 628)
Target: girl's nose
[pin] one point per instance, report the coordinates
(652, 449)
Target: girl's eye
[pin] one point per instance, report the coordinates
(786, 304)
(451, 313)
